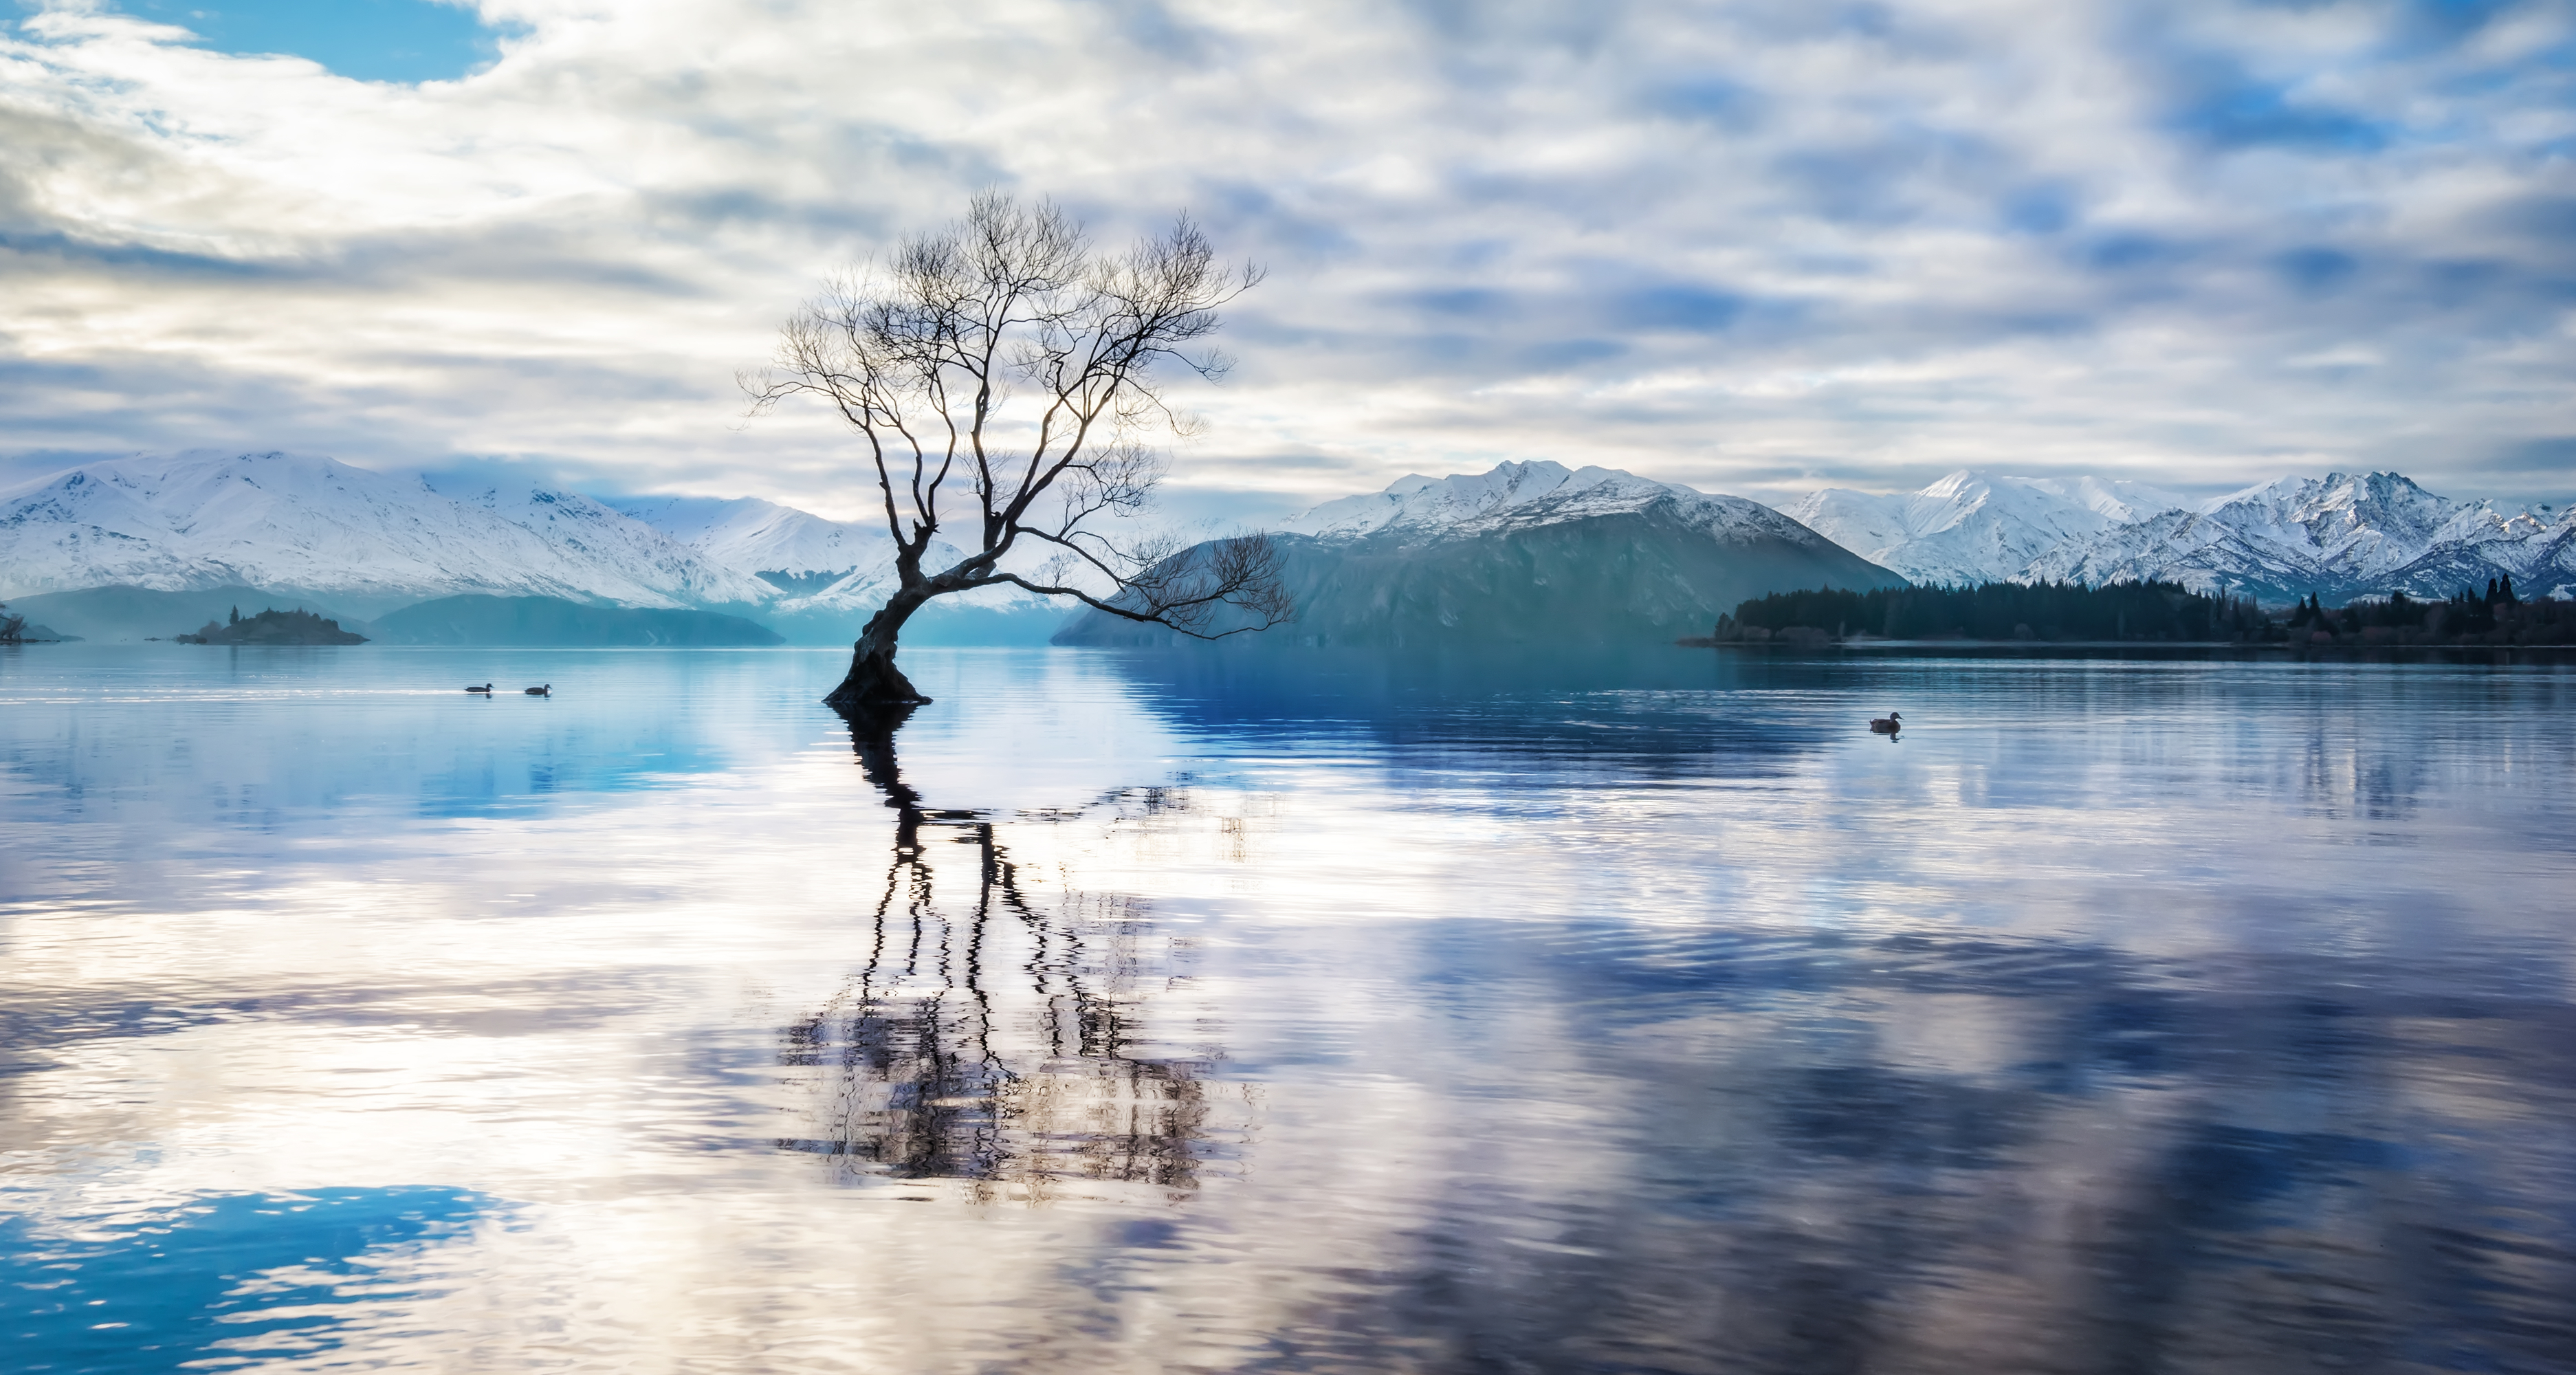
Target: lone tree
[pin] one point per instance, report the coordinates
(1005, 356)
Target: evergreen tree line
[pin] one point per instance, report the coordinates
(2147, 611)
(2499, 615)
(2001, 611)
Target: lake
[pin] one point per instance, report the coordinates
(1252, 1012)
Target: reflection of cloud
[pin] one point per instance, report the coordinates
(1687, 1029)
(2086, 236)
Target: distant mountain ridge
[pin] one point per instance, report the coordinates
(1975, 527)
(781, 545)
(2339, 536)
(368, 540)
(826, 577)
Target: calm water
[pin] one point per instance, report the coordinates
(1134, 1014)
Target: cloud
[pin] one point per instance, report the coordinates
(1753, 248)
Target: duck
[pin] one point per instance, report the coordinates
(1889, 724)
(547, 691)
(486, 688)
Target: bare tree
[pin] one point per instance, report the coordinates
(1004, 355)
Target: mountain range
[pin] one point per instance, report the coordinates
(151, 546)
(2340, 536)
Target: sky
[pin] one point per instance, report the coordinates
(1753, 247)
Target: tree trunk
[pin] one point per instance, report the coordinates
(874, 683)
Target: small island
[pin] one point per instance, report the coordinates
(273, 627)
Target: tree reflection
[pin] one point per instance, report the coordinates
(935, 1065)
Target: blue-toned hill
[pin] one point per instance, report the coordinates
(1530, 554)
(555, 623)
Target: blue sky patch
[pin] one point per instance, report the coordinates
(2039, 210)
(2315, 270)
(2131, 252)
(2246, 113)
(1686, 308)
(370, 40)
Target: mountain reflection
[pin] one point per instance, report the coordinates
(935, 1063)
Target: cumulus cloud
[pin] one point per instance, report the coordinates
(1755, 247)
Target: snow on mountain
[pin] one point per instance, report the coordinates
(2187, 547)
(2362, 527)
(1974, 527)
(1531, 554)
(290, 522)
(821, 572)
(2540, 555)
(371, 541)
(1525, 495)
(791, 549)
(613, 544)
(865, 588)
(2340, 536)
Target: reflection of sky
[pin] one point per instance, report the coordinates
(220, 1280)
(2216, 1011)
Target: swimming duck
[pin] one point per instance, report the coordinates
(487, 687)
(547, 691)
(1889, 724)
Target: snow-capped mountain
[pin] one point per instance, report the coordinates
(1529, 553)
(2340, 536)
(294, 523)
(1975, 527)
(796, 551)
(1525, 495)
(826, 577)
(2539, 552)
(365, 543)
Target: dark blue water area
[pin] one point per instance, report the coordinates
(1642, 707)
(215, 1282)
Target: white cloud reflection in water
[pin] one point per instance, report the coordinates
(1652, 1017)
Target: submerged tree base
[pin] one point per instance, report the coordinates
(874, 684)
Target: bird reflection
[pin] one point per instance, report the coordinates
(935, 1065)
